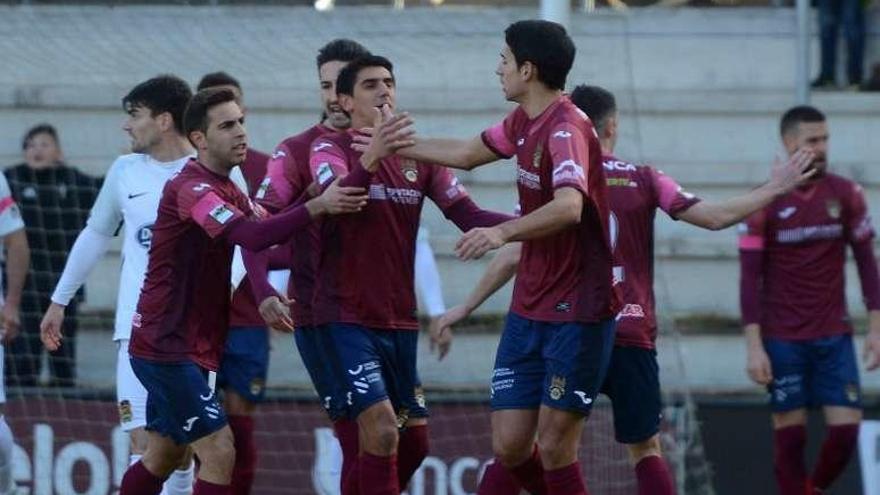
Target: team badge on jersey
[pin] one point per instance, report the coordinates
(536, 159)
(832, 206)
(125, 414)
(557, 387)
(410, 169)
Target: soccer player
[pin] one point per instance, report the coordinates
(635, 194)
(288, 175)
(17, 262)
(558, 335)
(364, 295)
(799, 335)
(245, 362)
(129, 198)
(180, 325)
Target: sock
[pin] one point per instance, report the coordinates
(347, 434)
(351, 481)
(245, 454)
(207, 488)
(180, 482)
(654, 477)
(7, 483)
(530, 474)
(838, 447)
(497, 480)
(378, 474)
(565, 481)
(788, 459)
(411, 451)
(138, 481)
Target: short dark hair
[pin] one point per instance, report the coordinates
(348, 75)
(342, 50)
(795, 115)
(164, 93)
(215, 79)
(597, 102)
(546, 45)
(37, 130)
(196, 116)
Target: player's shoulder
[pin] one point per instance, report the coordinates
(302, 141)
(841, 182)
(340, 140)
(256, 156)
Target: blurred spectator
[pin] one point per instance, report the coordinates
(850, 16)
(54, 199)
(873, 82)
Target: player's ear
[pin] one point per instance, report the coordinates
(790, 141)
(346, 102)
(165, 121)
(198, 139)
(611, 126)
(527, 71)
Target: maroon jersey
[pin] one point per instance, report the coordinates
(366, 263)
(635, 193)
(287, 177)
(243, 310)
(565, 276)
(803, 237)
(183, 310)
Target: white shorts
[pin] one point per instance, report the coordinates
(131, 396)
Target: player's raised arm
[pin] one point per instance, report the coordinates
(717, 215)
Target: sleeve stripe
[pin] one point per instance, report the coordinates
(751, 243)
(5, 203)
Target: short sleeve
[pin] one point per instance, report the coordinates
(445, 188)
(279, 188)
(106, 214)
(327, 160)
(858, 221)
(201, 203)
(570, 154)
(501, 137)
(752, 232)
(671, 197)
(10, 216)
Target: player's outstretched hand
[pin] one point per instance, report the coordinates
(50, 327)
(787, 175)
(275, 311)
(477, 242)
(11, 322)
(389, 133)
(758, 366)
(441, 337)
(337, 200)
(872, 350)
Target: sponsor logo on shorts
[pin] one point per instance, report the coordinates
(365, 375)
(557, 387)
(189, 423)
(583, 395)
(502, 379)
(125, 414)
(563, 307)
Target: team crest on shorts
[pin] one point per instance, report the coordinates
(557, 387)
(402, 418)
(256, 386)
(410, 169)
(832, 206)
(536, 159)
(420, 397)
(125, 414)
(852, 392)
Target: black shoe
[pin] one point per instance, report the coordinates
(823, 83)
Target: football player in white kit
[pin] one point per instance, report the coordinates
(17, 260)
(129, 199)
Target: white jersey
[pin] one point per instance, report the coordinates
(130, 198)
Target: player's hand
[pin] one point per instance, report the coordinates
(797, 170)
(275, 311)
(389, 133)
(50, 327)
(871, 353)
(477, 242)
(11, 322)
(441, 337)
(758, 366)
(337, 200)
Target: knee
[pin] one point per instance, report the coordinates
(511, 450)
(380, 436)
(647, 448)
(219, 450)
(557, 449)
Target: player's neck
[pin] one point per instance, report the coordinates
(607, 146)
(171, 149)
(537, 99)
(213, 165)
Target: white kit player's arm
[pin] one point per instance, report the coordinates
(427, 276)
(18, 256)
(90, 246)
